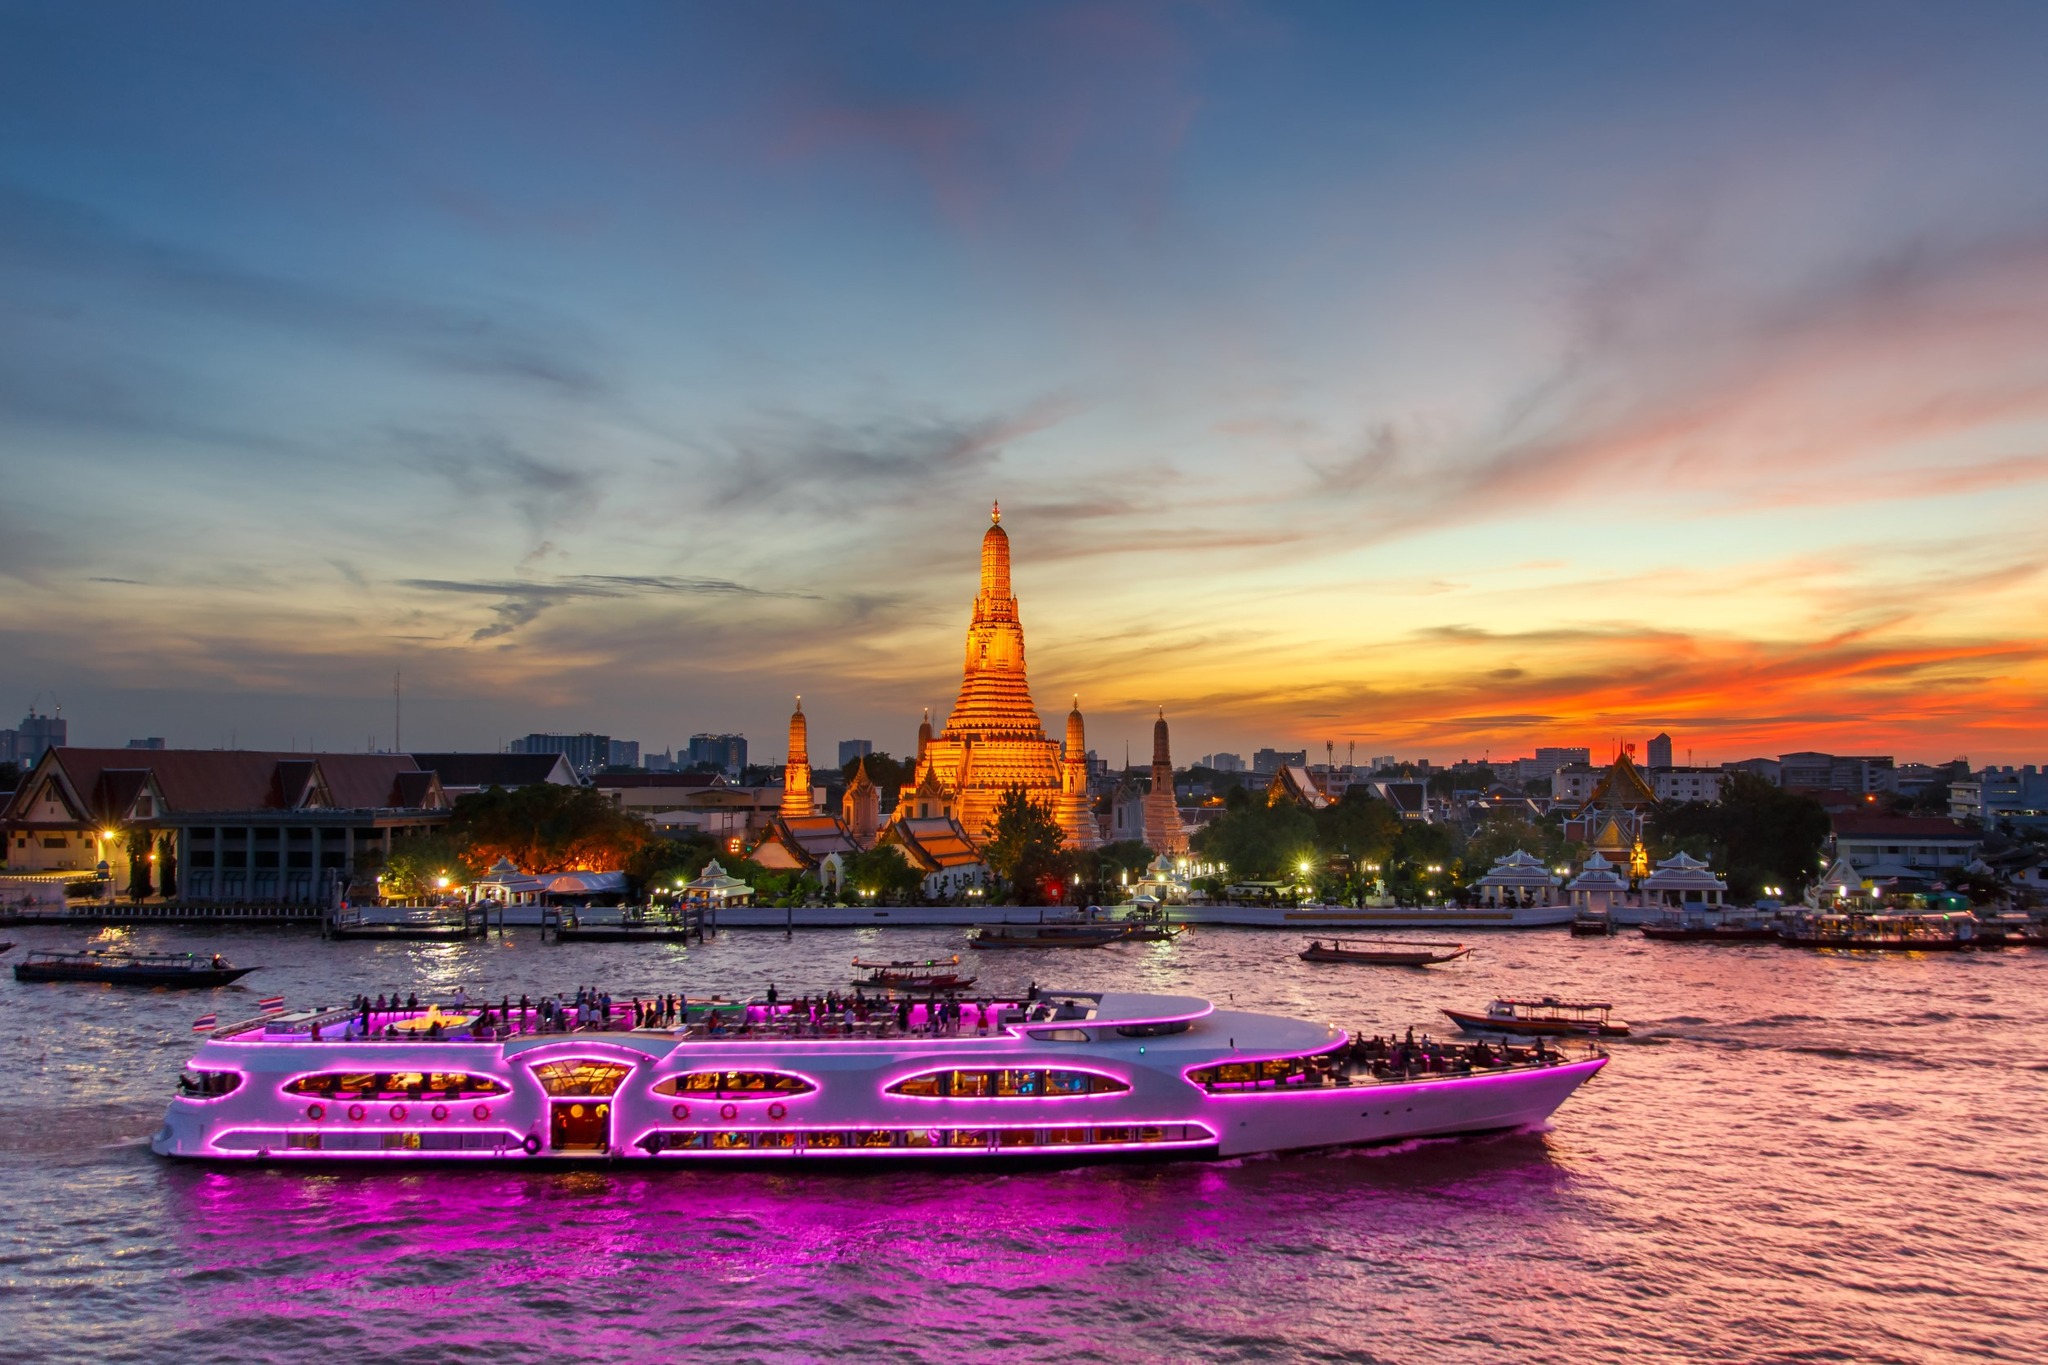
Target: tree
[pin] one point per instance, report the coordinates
(419, 863)
(140, 842)
(167, 866)
(1022, 845)
(886, 873)
(663, 861)
(885, 772)
(1759, 832)
(546, 828)
(1257, 841)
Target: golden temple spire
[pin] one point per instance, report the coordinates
(796, 774)
(995, 512)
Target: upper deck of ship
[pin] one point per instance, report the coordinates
(659, 1025)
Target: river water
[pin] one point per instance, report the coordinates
(1798, 1157)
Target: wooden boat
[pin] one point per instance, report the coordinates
(1153, 927)
(1704, 931)
(6, 947)
(1044, 935)
(1382, 952)
(1548, 1017)
(928, 975)
(186, 970)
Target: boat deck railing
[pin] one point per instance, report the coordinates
(1375, 1061)
(867, 1019)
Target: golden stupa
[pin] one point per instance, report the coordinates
(993, 740)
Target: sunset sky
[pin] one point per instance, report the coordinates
(1443, 379)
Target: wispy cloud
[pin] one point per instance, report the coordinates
(522, 602)
(58, 238)
(793, 460)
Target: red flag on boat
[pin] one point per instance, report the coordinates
(204, 1022)
(270, 1002)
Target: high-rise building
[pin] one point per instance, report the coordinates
(729, 752)
(153, 742)
(586, 752)
(1222, 763)
(1658, 752)
(623, 753)
(1269, 761)
(36, 735)
(850, 749)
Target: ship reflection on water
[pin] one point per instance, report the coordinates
(621, 1260)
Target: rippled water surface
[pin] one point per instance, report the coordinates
(1797, 1157)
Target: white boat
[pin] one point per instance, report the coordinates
(1067, 1077)
(1378, 916)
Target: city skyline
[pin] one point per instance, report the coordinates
(1342, 376)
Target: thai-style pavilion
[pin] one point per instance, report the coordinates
(1598, 887)
(1518, 879)
(1683, 882)
(713, 888)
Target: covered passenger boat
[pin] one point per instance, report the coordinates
(182, 970)
(1548, 1017)
(931, 974)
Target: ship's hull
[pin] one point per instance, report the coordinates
(849, 1115)
(1332, 917)
(177, 978)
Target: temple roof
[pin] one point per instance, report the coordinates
(1622, 786)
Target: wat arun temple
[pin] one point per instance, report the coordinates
(991, 743)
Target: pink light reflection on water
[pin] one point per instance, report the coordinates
(618, 1261)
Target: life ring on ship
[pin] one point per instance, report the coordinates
(777, 1110)
(480, 1113)
(531, 1145)
(440, 1113)
(316, 1112)
(935, 1135)
(681, 1111)
(728, 1111)
(355, 1113)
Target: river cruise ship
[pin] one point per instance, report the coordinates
(1066, 1077)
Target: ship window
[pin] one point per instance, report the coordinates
(1306, 1069)
(735, 1085)
(580, 1077)
(1060, 1035)
(1155, 1030)
(208, 1085)
(1006, 1084)
(396, 1085)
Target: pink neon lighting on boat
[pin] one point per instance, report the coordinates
(1063, 1065)
(766, 1068)
(1409, 1085)
(1165, 1144)
(236, 1089)
(213, 1141)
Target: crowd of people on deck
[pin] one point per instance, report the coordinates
(1392, 1057)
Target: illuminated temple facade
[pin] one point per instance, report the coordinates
(993, 740)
